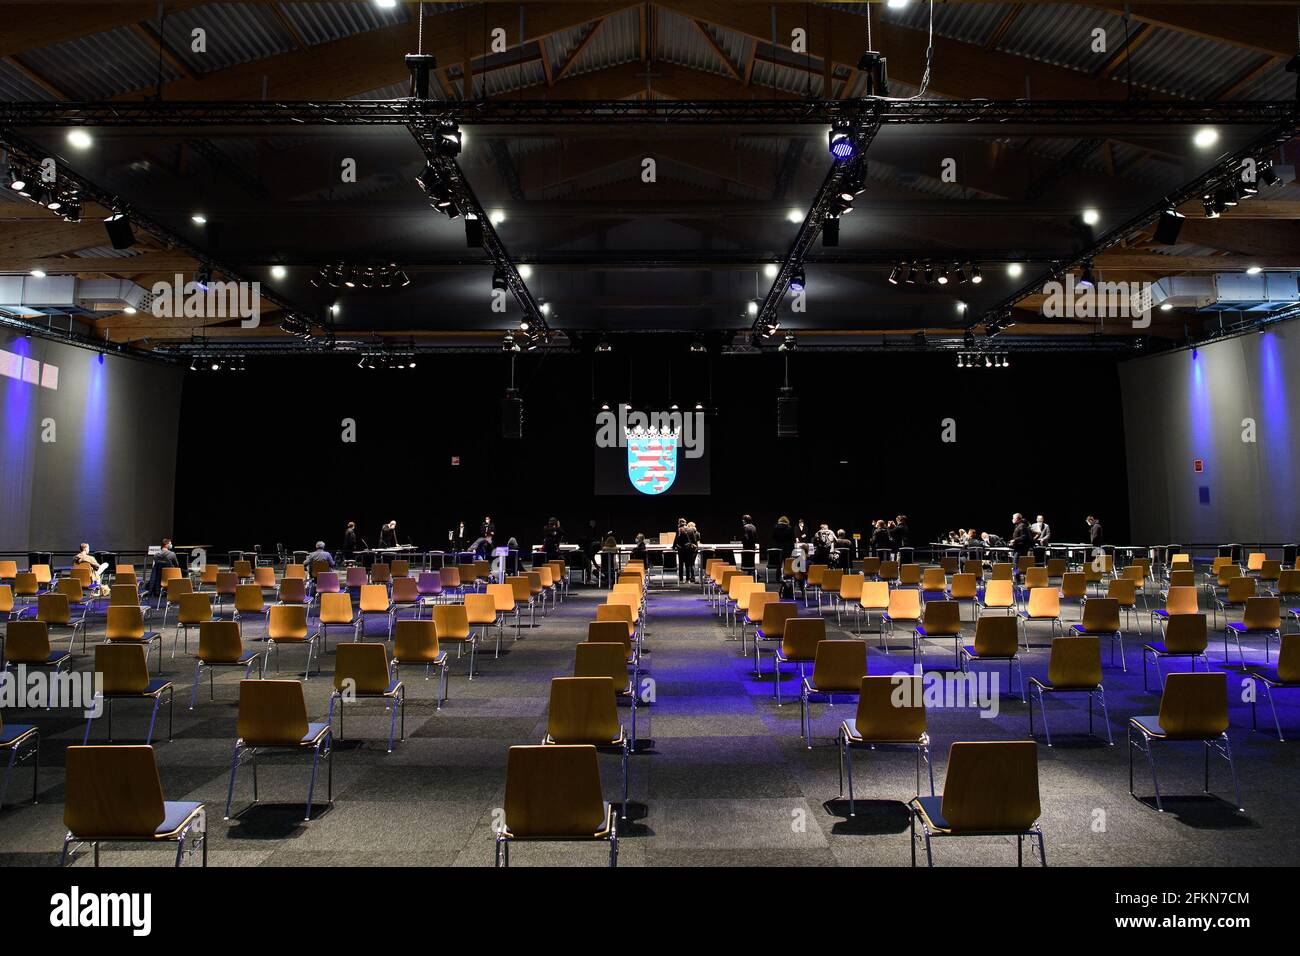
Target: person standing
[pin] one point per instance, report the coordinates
(552, 538)
(692, 549)
(1020, 540)
(801, 532)
(823, 545)
(388, 535)
(1094, 535)
(783, 537)
(487, 528)
(1042, 532)
(350, 541)
(748, 533)
(681, 545)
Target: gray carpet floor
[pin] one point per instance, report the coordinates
(721, 777)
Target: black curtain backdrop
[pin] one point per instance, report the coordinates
(261, 460)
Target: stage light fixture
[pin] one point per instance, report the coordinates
(752, 307)
(975, 275)
(794, 215)
(603, 346)
(841, 142)
(1091, 217)
(1268, 175)
(120, 234)
(71, 211)
(525, 272)
(789, 343)
(198, 219)
(894, 273)
(770, 270)
(203, 276)
(1166, 306)
(929, 274)
(797, 280)
(698, 347)
(79, 139)
(545, 308)
(1015, 270)
(911, 273)
(1168, 227)
(497, 217)
(448, 140)
(1206, 137)
(943, 275)
(17, 179)
(499, 278)
(278, 272)
(1253, 271)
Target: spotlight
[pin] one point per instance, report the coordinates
(1168, 227)
(1015, 269)
(1206, 137)
(40, 274)
(545, 308)
(1086, 280)
(988, 362)
(429, 178)
(198, 219)
(278, 272)
(497, 217)
(71, 211)
(525, 272)
(499, 278)
(911, 273)
(17, 179)
(929, 274)
(842, 146)
(202, 276)
(975, 275)
(79, 138)
(129, 310)
(797, 280)
(789, 343)
(119, 231)
(1091, 217)
(1269, 176)
(770, 270)
(794, 215)
(894, 273)
(193, 367)
(943, 275)
(448, 140)
(752, 307)
(960, 362)
(603, 346)
(1252, 271)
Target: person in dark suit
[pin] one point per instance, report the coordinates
(552, 538)
(388, 535)
(682, 545)
(1021, 540)
(783, 537)
(164, 558)
(639, 549)
(748, 533)
(844, 549)
(801, 533)
(350, 540)
(880, 538)
(482, 546)
(487, 528)
(1094, 534)
(902, 534)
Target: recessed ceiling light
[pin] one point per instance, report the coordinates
(770, 271)
(38, 273)
(1091, 217)
(1206, 137)
(198, 219)
(334, 309)
(386, 4)
(795, 215)
(896, 4)
(752, 308)
(279, 272)
(1166, 306)
(129, 310)
(1014, 269)
(497, 216)
(525, 272)
(79, 138)
(1254, 271)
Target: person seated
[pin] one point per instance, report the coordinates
(320, 554)
(992, 540)
(85, 557)
(639, 549)
(165, 557)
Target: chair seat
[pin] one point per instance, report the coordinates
(155, 687)
(244, 658)
(1150, 724)
(440, 659)
(56, 658)
(1160, 612)
(1239, 628)
(932, 809)
(814, 689)
(314, 732)
(388, 691)
(14, 734)
(264, 609)
(851, 731)
(1039, 617)
(602, 834)
(1079, 629)
(782, 659)
(970, 652)
(1269, 677)
(175, 815)
(920, 630)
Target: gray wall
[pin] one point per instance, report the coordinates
(109, 475)
(1181, 406)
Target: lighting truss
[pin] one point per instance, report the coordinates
(405, 112)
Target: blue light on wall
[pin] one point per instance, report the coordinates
(1274, 433)
(94, 440)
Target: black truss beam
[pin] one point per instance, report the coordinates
(402, 112)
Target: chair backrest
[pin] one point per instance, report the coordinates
(6, 598)
(1101, 615)
(52, 608)
(941, 618)
(839, 666)
(125, 668)
(1003, 571)
(197, 608)
(534, 582)
(207, 575)
(992, 786)
(8, 570)
(1123, 590)
(336, 608)
(1288, 581)
(1035, 577)
(1044, 602)
(875, 595)
(71, 589)
(934, 579)
(801, 636)
(1288, 659)
(775, 614)
(27, 642)
(374, 597)
(43, 573)
(503, 597)
(112, 791)
(633, 602)
(543, 571)
(25, 584)
(248, 598)
(851, 586)
(582, 711)
(1024, 563)
(415, 640)
(1180, 558)
(871, 565)
(227, 583)
(429, 582)
(1182, 578)
(891, 708)
(1194, 706)
(1227, 572)
(178, 588)
(295, 571)
(480, 608)
(905, 604)
(1135, 573)
(1181, 600)
(1075, 662)
(124, 623)
(319, 567)
(1262, 614)
(950, 564)
(1074, 585)
(963, 586)
(617, 612)
(815, 572)
(293, 590)
(1186, 633)
(1240, 589)
(272, 713)
(759, 599)
(608, 658)
(1255, 560)
(553, 791)
(995, 636)
(219, 642)
(1270, 570)
(327, 582)
(355, 577)
(998, 593)
(831, 579)
(264, 576)
(909, 575)
(405, 590)
(287, 622)
(1057, 567)
(606, 632)
(888, 571)
(242, 568)
(79, 573)
(400, 568)
(451, 622)
(364, 665)
(520, 585)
